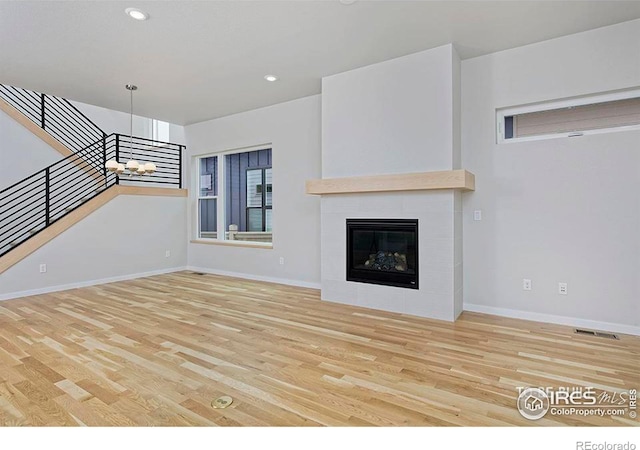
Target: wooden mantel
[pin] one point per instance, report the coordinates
(448, 179)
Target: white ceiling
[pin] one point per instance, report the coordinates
(197, 60)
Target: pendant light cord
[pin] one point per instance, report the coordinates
(131, 124)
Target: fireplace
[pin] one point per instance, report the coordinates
(383, 251)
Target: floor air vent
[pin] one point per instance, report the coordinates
(596, 334)
(197, 273)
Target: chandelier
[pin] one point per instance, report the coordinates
(132, 166)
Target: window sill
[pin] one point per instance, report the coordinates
(263, 245)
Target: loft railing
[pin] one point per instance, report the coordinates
(166, 156)
(57, 116)
(32, 204)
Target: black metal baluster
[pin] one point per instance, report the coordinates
(47, 187)
(117, 156)
(42, 107)
(104, 159)
(180, 167)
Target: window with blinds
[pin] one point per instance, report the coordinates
(597, 114)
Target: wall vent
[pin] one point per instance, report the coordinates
(596, 333)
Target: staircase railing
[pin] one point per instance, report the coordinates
(57, 116)
(32, 204)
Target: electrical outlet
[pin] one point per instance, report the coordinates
(526, 284)
(282, 261)
(167, 253)
(562, 288)
(477, 214)
(43, 268)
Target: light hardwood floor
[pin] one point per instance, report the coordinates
(158, 350)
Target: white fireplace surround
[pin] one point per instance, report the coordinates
(439, 215)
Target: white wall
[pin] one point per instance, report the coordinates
(21, 152)
(176, 134)
(390, 117)
(109, 120)
(293, 129)
(456, 145)
(119, 122)
(561, 210)
(126, 237)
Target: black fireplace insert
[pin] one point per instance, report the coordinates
(383, 251)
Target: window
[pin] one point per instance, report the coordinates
(153, 129)
(569, 118)
(245, 208)
(160, 131)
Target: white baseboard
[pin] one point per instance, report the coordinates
(550, 318)
(304, 284)
(64, 287)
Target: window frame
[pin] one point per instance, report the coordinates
(221, 198)
(205, 197)
(503, 113)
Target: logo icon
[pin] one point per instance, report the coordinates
(533, 403)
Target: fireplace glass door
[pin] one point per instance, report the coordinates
(383, 251)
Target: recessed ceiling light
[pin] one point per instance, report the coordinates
(348, 2)
(271, 78)
(135, 13)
